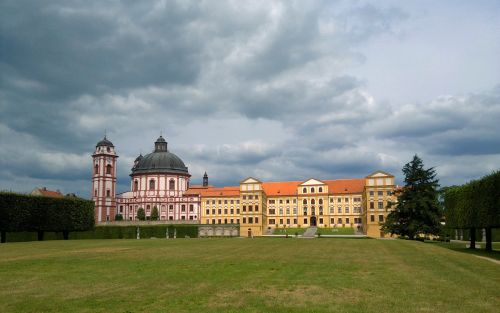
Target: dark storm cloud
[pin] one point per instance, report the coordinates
(70, 69)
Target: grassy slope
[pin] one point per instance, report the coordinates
(244, 275)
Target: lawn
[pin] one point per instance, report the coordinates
(289, 230)
(244, 275)
(336, 231)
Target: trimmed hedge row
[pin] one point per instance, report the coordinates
(114, 232)
(19, 213)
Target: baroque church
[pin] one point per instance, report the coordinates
(159, 179)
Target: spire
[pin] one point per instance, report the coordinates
(205, 180)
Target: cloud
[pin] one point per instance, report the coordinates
(263, 88)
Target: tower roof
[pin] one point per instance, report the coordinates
(104, 142)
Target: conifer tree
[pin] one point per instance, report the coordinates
(417, 210)
(141, 215)
(154, 214)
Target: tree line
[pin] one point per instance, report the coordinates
(475, 205)
(20, 213)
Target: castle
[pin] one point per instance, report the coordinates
(161, 179)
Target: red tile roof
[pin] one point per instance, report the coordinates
(287, 188)
(46, 193)
(345, 186)
(231, 191)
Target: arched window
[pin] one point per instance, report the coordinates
(320, 201)
(108, 169)
(136, 185)
(312, 189)
(305, 201)
(312, 201)
(171, 184)
(152, 184)
(320, 189)
(95, 192)
(304, 190)
(96, 169)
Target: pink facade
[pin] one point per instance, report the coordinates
(158, 179)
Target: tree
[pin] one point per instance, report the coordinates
(141, 215)
(118, 217)
(417, 210)
(154, 214)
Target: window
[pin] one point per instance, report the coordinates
(339, 221)
(339, 210)
(213, 201)
(256, 208)
(191, 208)
(96, 169)
(136, 185)
(208, 212)
(225, 201)
(347, 220)
(250, 208)
(272, 211)
(208, 202)
(372, 218)
(219, 211)
(244, 208)
(320, 201)
(347, 209)
(95, 192)
(287, 201)
(380, 193)
(304, 202)
(313, 201)
(305, 221)
(171, 207)
(218, 221)
(380, 205)
(121, 208)
(357, 220)
(371, 193)
(152, 184)
(339, 199)
(256, 220)
(244, 220)
(108, 169)
(281, 201)
(272, 201)
(183, 217)
(271, 221)
(250, 220)
(294, 201)
(250, 197)
(305, 211)
(213, 211)
(304, 190)
(256, 197)
(220, 201)
(213, 221)
(183, 208)
(232, 212)
(281, 211)
(380, 218)
(295, 210)
(346, 200)
(321, 220)
(332, 221)
(320, 189)
(232, 202)
(108, 193)
(312, 189)
(372, 205)
(225, 211)
(171, 184)
(225, 221)
(295, 221)
(331, 200)
(244, 197)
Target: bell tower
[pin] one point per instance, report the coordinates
(205, 180)
(104, 181)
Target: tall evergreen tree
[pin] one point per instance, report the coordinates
(154, 214)
(417, 210)
(141, 214)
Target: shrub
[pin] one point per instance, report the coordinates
(141, 215)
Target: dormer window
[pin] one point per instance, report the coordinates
(312, 189)
(304, 190)
(320, 189)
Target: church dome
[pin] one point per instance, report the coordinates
(104, 143)
(160, 161)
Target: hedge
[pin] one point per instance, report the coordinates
(114, 232)
(20, 213)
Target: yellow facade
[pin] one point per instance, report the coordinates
(259, 207)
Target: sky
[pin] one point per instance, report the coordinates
(277, 90)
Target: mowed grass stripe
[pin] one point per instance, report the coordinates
(244, 275)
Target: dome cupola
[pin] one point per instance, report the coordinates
(159, 161)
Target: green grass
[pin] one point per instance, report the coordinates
(289, 231)
(244, 275)
(336, 231)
